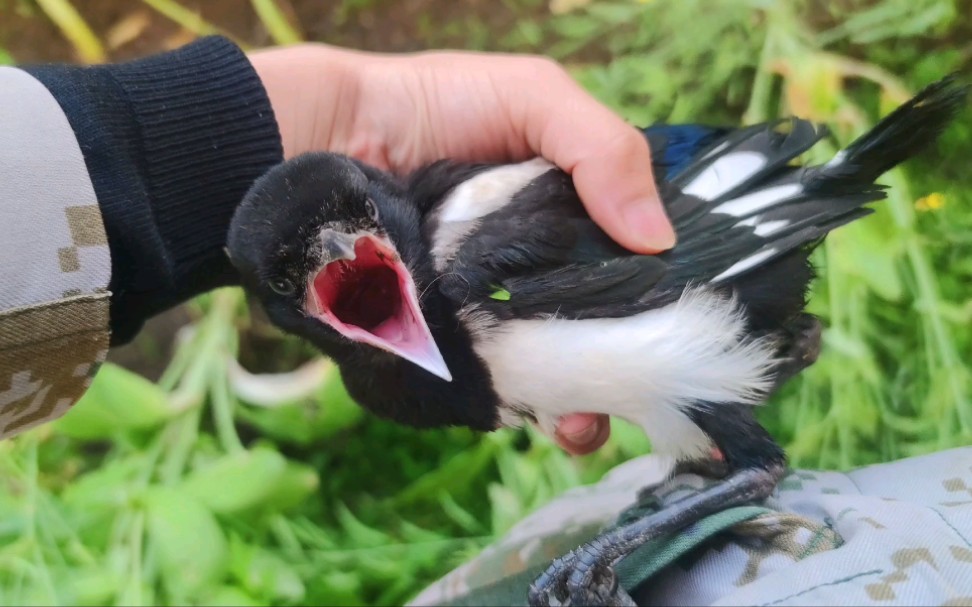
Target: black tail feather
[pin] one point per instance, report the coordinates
(899, 136)
(754, 212)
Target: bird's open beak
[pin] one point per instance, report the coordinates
(367, 295)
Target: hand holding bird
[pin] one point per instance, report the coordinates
(400, 112)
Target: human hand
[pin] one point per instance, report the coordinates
(399, 112)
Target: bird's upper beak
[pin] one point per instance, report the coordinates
(366, 293)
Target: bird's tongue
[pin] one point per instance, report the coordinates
(371, 299)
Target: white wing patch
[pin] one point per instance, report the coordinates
(725, 173)
(770, 227)
(649, 368)
(765, 228)
(477, 197)
(758, 200)
(746, 263)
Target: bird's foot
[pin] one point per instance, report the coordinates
(580, 577)
(586, 575)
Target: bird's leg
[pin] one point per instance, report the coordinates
(714, 468)
(586, 576)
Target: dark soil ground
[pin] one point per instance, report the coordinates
(379, 25)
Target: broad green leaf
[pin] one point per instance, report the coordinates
(187, 541)
(105, 488)
(264, 574)
(336, 588)
(117, 401)
(91, 585)
(238, 481)
(339, 411)
(292, 486)
(230, 596)
(500, 295)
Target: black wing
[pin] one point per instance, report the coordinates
(542, 254)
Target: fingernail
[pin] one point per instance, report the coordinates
(582, 437)
(647, 223)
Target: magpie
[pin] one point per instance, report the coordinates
(483, 295)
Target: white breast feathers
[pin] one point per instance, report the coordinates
(649, 368)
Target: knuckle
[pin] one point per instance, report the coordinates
(539, 64)
(629, 143)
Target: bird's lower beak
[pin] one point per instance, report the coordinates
(368, 296)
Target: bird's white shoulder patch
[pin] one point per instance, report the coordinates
(490, 190)
(649, 368)
(477, 197)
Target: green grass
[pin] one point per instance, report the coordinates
(184, 492)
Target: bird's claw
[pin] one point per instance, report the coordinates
(581, 577)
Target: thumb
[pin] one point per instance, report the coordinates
(609, 160)
(616, 185)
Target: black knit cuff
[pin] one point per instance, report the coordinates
(172, 143)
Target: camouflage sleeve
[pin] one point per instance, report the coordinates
(890, 534)
(54, 260)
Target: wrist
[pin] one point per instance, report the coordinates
(171, 142)
(313, 89)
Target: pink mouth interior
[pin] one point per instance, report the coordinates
(372, 299)
(363, 292)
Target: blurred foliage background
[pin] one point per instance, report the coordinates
(217, 462)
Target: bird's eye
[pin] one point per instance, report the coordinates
(282, 286)
(372, 209)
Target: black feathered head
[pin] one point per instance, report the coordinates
(327, 268)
